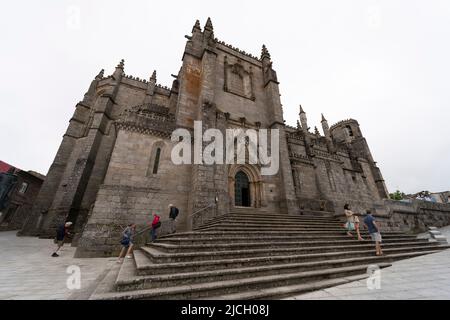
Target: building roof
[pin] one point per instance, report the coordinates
(5, 167)
(36, 174)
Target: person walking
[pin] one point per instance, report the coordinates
(374, 231)
(61, 233)
(127, 241)
(173, 214)
(357, 224)
(156, 223)
(352, 222)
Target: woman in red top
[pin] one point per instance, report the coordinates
(155, 225)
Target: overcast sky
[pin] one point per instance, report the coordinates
(384, 63)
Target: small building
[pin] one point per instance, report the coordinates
(441, 197)
(18, 189)
(438, 197)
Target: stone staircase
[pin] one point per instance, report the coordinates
(249, 254)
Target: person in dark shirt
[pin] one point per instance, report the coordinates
(374, 231)
(61, 233)
(127, 242)
(173, 214)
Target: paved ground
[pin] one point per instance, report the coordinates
(27, 271)
(424, 278)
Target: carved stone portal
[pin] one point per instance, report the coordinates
(248, 179)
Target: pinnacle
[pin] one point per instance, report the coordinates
(121, 64)
(153, 77)
(265, 52)
(323, 118)
(196, 26)
(301, 109)
(100, 74)
(208, 24)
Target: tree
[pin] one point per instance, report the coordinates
(397, 195)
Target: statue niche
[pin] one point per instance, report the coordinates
(238, 80)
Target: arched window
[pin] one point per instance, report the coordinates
(156, 163)
(349, 130)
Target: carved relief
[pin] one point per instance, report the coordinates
(237, 80)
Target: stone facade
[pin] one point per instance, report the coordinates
(114, 164)
(411, 216)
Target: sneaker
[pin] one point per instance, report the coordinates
(129, 257)
(55, 254)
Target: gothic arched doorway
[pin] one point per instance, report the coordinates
(242, 190)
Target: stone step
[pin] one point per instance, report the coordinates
(271, 234)
(274, 241)
(126, 281)
(262, 209)
(245, 222)
(261, 227)
(195, 291)
(302, 254)
(272, 221)
(179, 248)
(266, 225)
(279, 216)
(276, 217)
(280, 228)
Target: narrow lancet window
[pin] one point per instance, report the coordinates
(156, 163)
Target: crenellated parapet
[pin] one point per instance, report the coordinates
(149, 119)
(163, 89)
(237, 50)
(344, 122)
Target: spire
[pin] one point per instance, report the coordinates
(301, 110)
(264, 52)
(100, 74)
(325, 128)
(208, 25)
(153, 77)
(303, 120)
(298, 125)
(196, 26)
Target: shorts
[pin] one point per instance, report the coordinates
(376, 236)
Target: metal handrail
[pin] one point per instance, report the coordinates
(202, 209)
(193, 214)
(142, 231)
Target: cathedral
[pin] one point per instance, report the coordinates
(114, 165)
